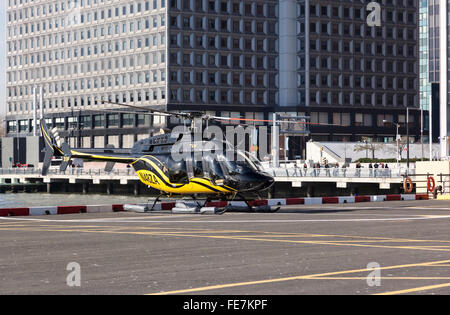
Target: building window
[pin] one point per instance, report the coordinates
(113, 120)
(342, 119)
(99, 121)
(128, 120)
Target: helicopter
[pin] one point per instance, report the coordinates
(201, 171)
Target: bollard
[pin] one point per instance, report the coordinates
(136, 189)
(109, 189)
(310, 191)
(85, 188)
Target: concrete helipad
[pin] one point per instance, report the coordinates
(304, 249)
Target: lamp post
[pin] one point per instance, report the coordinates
(365, 145)
(430, 127)
(18, 143)
(407, 132)
(397, 139)
(421, 131)
(407, 140)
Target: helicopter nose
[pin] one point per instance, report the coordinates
(268, 181)
(261, 181)
(248, 183)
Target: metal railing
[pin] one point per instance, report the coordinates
(68, 172)
(276, 172)
(340, 172)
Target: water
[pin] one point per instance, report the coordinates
(10, 200)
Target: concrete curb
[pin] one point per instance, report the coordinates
(51, 210)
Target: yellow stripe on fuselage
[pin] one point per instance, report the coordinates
(195, 185)
(203, 185)
(82, 155)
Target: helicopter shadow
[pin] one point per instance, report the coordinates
(315, 211)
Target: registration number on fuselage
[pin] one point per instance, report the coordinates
(147, 178)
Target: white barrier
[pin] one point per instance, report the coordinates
(408, 197)
(276, 202)
(378, 198)
(313, 201)
(346, 199)
(43, 210)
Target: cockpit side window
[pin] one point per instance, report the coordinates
(178, 172)
(198, 169)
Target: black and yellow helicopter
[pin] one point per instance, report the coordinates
(205, 174)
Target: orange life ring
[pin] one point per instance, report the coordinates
(408, 185)
(431, 184)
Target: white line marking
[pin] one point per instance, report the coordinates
(431, 217)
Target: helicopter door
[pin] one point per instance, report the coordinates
(221, 160)
(213, 170)
(178, 171)
(190, 167)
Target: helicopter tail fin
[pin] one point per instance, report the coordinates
(67, 156)
(53, 147)
(49, 150)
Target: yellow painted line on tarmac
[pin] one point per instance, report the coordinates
(296, 241)
(193, 234)
(309, 277)
(419, 289)
(381, 278)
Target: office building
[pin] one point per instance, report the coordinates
(439, 67)
(82, 52)
(226, 57)
(357, 75)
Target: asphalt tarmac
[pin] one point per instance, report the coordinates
(399, 247)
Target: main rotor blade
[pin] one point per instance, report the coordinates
(272, 121)
(129, 112)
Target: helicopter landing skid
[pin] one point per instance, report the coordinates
(189, 208)
(193, 206)
(196, 206)
(248, 207)
(251, 209)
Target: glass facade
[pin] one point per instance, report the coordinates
(222, 53)
(439, 64)
(425, 86)
(433, 40)
(354, 64)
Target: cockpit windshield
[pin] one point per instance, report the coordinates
(254, 161)
(239, 164)
(215, 170)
